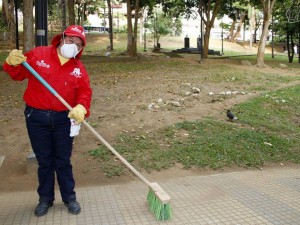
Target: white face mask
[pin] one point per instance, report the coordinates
(69, 50)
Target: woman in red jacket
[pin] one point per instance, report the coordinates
(47, 119)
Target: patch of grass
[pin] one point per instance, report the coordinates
(275, 111)
(219, 73)
(106, 161)
(266, 81)
(269, 60)
(267, 132)
(112, 170)
(129, 67)
(257, 80)
(100, 153)
(216, 144)
(252, 79)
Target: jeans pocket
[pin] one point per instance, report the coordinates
(28, 112)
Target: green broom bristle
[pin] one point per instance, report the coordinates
(161, 211)
(151, 200)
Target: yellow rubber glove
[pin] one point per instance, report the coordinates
(77, 113)
(15, 57)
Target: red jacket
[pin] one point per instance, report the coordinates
(70, 80)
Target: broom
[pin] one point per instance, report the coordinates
(158, 200)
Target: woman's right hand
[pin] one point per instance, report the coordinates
(15, 57)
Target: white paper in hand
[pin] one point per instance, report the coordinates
(74, 128)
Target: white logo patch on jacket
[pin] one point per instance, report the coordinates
(76, 72)
(42, 64)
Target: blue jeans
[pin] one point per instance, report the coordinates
(49, 134)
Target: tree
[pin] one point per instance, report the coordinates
(288, 23)
(237, 11)
(208, 10)
(71, 12)
(136, 6)
(9, 14)
(54, 17)
(132, 29)
(62, 7)
(143, 23)
(28, 35)
(81, 9)
(110, 22)
(161, 24)
(251, 16)
(242, 17)
(232, 16)
(267, 11)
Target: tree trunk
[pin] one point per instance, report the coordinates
(110, 23)
(206, 42)
(11, 23)
(238, 30)
(129, 30)
(251, 24)
(132, 31)
(71, 11)
(289, 39)
(256, 28)
(79, 12)
(142, 24)
(84, 15)
(62, 6)
(209, 19)
(267, 8)
(232, 30)
(251, 36)
(135, 29)
(262, 42)
(28, 35)
(298, 42)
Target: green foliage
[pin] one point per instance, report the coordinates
(162, 24)
(121, 30)
(54, 18)
(283, 12)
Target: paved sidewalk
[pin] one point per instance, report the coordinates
(268, 197)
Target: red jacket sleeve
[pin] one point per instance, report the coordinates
(16, 72)
(19, 72)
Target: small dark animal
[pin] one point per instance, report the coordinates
(231, 116)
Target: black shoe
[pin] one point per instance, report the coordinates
(73, 207)
(42, 208)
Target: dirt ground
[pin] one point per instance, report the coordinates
(120, 104)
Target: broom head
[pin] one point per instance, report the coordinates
(159, 202)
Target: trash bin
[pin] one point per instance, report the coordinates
(186, 42)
